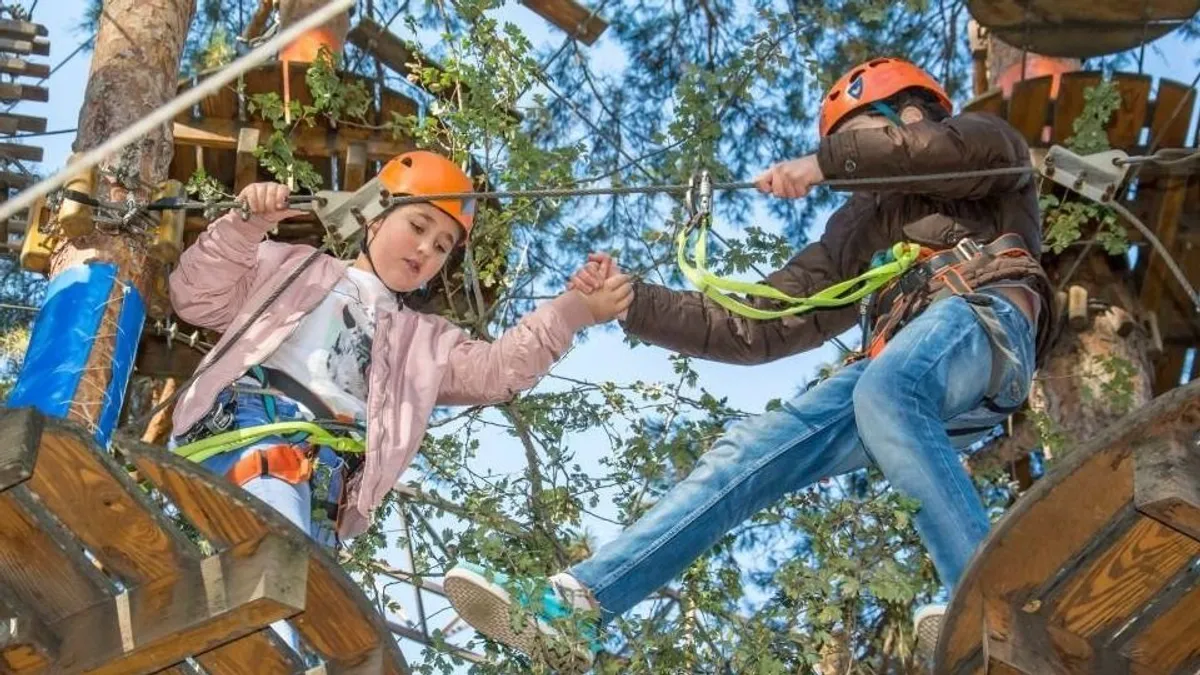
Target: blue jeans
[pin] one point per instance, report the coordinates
(898, 411)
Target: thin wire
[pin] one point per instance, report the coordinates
(169, 110)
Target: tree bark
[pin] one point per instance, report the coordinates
(134, 70)
(1070, 388)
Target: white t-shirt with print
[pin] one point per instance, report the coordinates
(330, 351)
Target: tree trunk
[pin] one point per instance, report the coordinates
(1073, 394)
(291, 11)
(134, 70)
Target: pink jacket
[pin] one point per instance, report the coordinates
(418, 361)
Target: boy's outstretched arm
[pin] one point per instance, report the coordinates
(689, 323)
(968, 142)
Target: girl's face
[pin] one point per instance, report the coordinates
(410, 245)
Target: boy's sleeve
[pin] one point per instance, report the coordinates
(969, 142)
(481, 372)
(215, 275)
(690, 323)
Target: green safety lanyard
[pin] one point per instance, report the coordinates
(205, 448)
(840, 294)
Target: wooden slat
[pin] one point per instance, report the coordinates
(15, 180)
(28, 153)
(1027, 108)
(1017, 642)
(1167, 485)
(988, 102)
(223, 135)
(354, 171)
(1125, 126)
(1123, 579)
(37, 47)
(261, 653)
(246, 170)
(27, 645)
(32, 125)
(571, 17)
(1172, 113)
(337, 622)
(161, 623)
(1052, 524)
(40, 566)
(21, 67)
(21, 29)
(98, 502)
(1070, 102)
(1173, 640)
(1158, 279)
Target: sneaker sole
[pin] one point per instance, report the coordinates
(486, 606)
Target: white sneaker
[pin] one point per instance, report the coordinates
(927, 623)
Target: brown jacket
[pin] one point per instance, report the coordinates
(934, 214)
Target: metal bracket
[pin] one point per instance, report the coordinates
(347, 213)
(1097, 176)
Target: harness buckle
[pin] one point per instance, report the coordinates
(968, 248)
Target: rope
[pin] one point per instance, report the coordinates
(167, 112)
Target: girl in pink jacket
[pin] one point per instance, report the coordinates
(339, 347)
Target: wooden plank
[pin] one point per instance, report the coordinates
(28, 153)
(98, 502)
(989, 102)
(1019, 642)
(246, 169)
(1165, 224)
(1070, 102)
(1167, 484)
(314, 142)
(261, 653)
(15, 180)
(1125, 126)
(32, 125)
(337, 622)
(27, 645)
(20, 430)
(1172, 114)
(165, 621)
(39, 48)
(1048, 527)
(40, 566)
(571, 17)
(22, 29)
(354, 171)
(1123, 579)
(21, 67)
(1027, 108)
(1173, 640)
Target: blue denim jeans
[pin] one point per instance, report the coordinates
(898, 411)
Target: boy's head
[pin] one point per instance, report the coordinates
(408, 245)
(883, 92)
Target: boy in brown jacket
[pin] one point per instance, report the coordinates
(950, 354)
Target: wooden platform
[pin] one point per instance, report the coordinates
(98, 576)
(1167, 201)
(1097, 568)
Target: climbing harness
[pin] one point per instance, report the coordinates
(207, 448)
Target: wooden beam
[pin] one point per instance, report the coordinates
(1167, 483)
(354, 171)
(571, 17)
(15, 180)
(246, 168)
(1172, 191)
(27, 153)
(21, 67)
(258, 22)
(220, 134)
(37, 46)
(261, 653)
(1018, 642)
(392, 51)
(161, 623)
(22, 29)
(27, 645)
(13, 91)
(19, 433)
(32, 125)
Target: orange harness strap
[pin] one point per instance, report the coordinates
(285, 462)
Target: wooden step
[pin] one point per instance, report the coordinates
(38, 46)
(11, 124)
(95, 576)
(12, 91)
(19, 67)
(1098, 564)
(26, 153)
(22, 29)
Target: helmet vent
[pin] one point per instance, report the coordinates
(407, 161)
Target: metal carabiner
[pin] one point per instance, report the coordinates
(699, 196)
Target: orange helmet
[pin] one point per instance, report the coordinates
(420, 173)
(874, 81)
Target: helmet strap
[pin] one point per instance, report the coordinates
(889, 112)
(366, 249)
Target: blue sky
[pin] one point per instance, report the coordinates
(603, 355)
